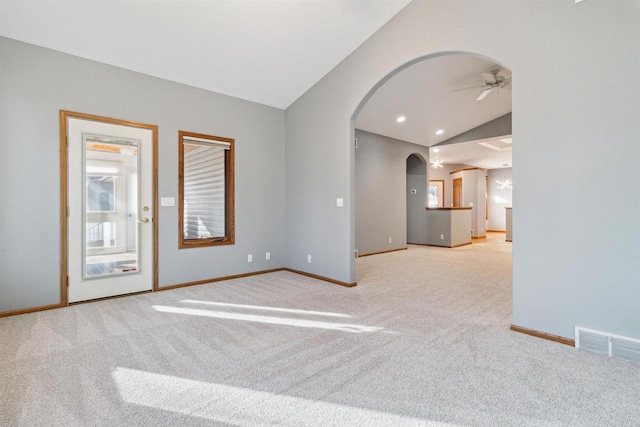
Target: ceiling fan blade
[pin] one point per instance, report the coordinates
(488, 77)
(506, 84)
(466, 88)
(484, 94)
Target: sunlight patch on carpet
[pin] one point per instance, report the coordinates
(229, 404)
(266, 308)
(302, 323)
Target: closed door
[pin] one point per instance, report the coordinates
(110, 209)
(457, 192)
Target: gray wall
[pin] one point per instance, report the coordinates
(448, 228)
(498, 199)
(416, 203)
(36, 83)
(563, 276)
(381, 191)
(439, 230)
(497, 127)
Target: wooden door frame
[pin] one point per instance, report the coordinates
(453, 185)
(64, 197)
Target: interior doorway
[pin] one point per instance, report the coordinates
(109, 236)
(457, 192)
(434, 101)
(416, 199)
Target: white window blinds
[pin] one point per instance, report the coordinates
(204, 189)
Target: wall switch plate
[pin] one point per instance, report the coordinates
(267, 256)
(308, 258)
(250, 258)
(339, 202)
(471, 204)
(167, 201)
(389, 239)
(442, 237)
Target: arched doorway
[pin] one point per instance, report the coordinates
(416, 199)
(449, 75)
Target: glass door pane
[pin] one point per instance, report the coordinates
(110, 206)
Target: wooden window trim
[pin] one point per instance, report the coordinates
(229, 238)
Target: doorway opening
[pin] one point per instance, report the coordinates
(417, 189)
(457, 192)
(433, 102)
(108, 206)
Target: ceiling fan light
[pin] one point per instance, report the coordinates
(506, 184)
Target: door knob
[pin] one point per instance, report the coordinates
(144, 220)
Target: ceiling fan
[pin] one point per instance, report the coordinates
(492, 80)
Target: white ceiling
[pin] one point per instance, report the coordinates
(424, 94)
(266, 51)
(472, 153)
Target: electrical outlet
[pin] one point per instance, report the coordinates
(389, 239)
(250, 258)
(308, 258)
(267, 256)
(442, 237)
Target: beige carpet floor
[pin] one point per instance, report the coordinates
(423, 340)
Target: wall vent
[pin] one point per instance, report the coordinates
(604, 343)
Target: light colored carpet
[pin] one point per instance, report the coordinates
(422, 341)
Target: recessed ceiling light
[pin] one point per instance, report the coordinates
(436, 150)
(401, 119)
(439, 132)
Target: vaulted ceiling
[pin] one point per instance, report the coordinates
(266, 51)
(427, 96)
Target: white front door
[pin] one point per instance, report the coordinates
(110, 216)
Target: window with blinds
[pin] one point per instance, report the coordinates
(206, 190)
